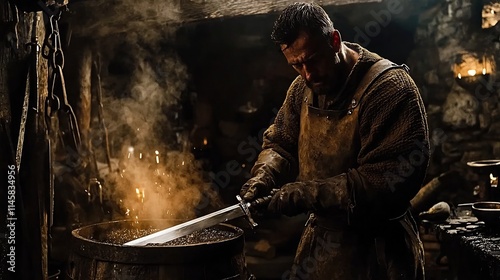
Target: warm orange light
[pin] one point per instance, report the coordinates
(470, 64)
(493, 181)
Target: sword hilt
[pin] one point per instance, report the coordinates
(258, 202)
(245, 206)
(262, 201)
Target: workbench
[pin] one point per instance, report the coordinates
(472, 249)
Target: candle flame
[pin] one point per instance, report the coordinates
(471, 72)
(459, 76)
(130, 151)
(484, 71)
(493, 181)
(205, 141)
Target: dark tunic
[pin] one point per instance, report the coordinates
(367, 153)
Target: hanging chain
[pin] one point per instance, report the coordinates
(51, 46)
(53, 52)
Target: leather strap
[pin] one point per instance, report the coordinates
(375, 71)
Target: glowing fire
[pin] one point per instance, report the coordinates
(473, 64)
(493, 181)
(140, 194)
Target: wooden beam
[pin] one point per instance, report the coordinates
(101, 18)
(229, 8)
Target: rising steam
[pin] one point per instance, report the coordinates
(155, 179)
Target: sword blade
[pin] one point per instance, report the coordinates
(171, 233)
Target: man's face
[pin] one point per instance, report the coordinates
(313, 58)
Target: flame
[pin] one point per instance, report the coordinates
(459, 76)
(205, 141)
(140, 194)
(471, 72)
(493, 181)
(484, 71)
(130, 151)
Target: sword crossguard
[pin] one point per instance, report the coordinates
(245, 206)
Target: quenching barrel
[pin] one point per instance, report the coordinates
(98, 253)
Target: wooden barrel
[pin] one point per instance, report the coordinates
(91, 259)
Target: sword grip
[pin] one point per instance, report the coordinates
(262, 201)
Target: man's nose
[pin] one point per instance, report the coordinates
(308, 74)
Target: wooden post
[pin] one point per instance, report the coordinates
(78, 71)
(30, 224)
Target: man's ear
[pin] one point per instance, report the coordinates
(336, 40)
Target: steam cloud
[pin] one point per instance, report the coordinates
(155, 180)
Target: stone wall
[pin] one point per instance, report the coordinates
(464, 114)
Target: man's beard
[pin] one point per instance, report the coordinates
(319, 89)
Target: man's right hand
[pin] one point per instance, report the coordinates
(254, 188)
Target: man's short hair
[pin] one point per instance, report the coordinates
(297, 17)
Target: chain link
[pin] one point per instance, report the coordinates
(51, 46)
(52, 50)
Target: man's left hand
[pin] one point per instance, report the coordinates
(294, 198)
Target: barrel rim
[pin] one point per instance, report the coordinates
(155, 254)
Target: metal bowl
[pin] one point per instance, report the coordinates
(487, 166)
(488, 212)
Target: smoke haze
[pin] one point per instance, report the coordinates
(155, 180)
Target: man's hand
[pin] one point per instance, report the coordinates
(256, 187)
(294, 198)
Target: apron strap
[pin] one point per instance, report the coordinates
(375, 71)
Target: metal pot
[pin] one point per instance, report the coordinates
(487, 166)
(488, 172)
(488, 212)
(92, 259)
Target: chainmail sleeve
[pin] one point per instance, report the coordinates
(279, 155)
(394, 153)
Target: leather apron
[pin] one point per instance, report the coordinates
(329, 143)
